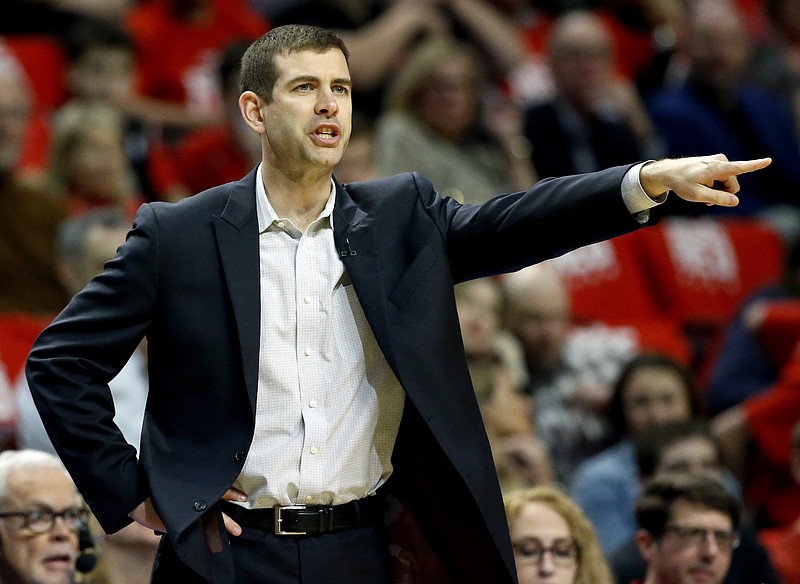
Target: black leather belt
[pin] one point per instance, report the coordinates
(302, 519)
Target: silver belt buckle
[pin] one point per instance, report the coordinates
(278, 519)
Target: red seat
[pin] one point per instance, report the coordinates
(606, 283)
(45, 62)
(700, 270)
(18, 331)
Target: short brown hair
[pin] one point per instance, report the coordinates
(258, 71)
(659, 495)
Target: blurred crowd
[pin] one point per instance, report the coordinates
(671, 349)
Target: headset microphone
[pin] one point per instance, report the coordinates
(88, 557)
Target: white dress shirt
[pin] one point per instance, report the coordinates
(328, 406)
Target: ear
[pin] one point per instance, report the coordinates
(646, 543)
(250, 106)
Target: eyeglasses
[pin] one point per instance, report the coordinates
(43, 521)
(695, 536)
(564, 551)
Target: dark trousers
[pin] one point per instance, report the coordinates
(354, 556)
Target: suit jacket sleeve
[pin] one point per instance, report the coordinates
(74, 359)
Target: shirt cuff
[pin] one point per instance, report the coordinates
(636, 199)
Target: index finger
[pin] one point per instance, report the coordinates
(744, 166)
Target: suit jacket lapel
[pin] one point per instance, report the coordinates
(237, 237)
(355, 242)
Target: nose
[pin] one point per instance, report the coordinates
(546, 565)
(710, 546)
(326, 103)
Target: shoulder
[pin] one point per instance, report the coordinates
(615, 461)
(407, 185)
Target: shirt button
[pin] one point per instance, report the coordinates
(312, 450)
(308, 351)
(307, 299)
(239, 456)
(200, 506)
(280, 224)
(312, 404)
(309, 498)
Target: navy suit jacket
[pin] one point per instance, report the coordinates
(187, 278)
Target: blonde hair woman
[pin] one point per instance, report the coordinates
(553, 540)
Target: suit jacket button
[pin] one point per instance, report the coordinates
(200, 506)
(239, 456)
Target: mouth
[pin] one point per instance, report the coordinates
(60, 562)
(327, 135)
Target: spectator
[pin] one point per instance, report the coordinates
(688, 529)
(689, 448)
(714, 111)
(434, 124)
(101, 70)
(40, 516)
(782, 543)
(29, 215)
(88, 165)
(543, 519)
(651, 389)
(570, 370)
(744, 367)
(596, 118)
(85, 244)
(496, 367)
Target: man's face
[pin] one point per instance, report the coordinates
(308, 120)
(654, 395)
(38, 558)
(681, 558)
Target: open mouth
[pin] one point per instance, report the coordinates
(327, 135)
(59, 562)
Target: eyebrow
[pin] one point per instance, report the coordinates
(312, 79)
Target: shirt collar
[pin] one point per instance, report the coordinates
(266, 213)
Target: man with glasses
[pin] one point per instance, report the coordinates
(40, 518)
(688, 529)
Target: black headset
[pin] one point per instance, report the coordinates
(87, 559)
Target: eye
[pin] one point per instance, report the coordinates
(341, 90)
(304, 87)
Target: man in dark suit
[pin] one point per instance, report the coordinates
(309, 397)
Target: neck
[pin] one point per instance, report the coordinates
(298, 198)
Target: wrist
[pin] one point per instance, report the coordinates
(651, 182)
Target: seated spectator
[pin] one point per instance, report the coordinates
(688, 529)
(88, 165)
(596, 118)
(224, 152)
(651, 389)
(782, 543)
(85, 244)
(689, 448)
(570, 370)
(101, 70)
(553, 540)
(744, 367)
(41, 515)
(713, 111)
(29, 215)
(497, 370)
(434, 124)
